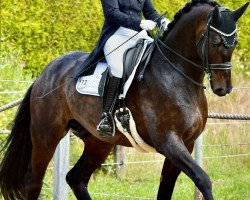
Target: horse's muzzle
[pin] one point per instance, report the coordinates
(221, 82)
(222, 91)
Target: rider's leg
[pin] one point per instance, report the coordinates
(115, 61)
(106, 126)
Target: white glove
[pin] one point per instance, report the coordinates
(147, 25)
(164, 23)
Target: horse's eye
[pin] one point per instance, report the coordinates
(215, 44)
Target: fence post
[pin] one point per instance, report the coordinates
(61, 167)
(198, 158)
(119, 157)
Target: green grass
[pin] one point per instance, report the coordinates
(230, 181)
(230, 178)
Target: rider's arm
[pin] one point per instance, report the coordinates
(114, 15)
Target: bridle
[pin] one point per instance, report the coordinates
(204, 42)
(204, 50)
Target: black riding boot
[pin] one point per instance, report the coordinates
(107, 125)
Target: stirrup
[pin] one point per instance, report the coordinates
(106, 127)
(123, 117)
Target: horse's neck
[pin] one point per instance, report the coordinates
(183, 36)
(183, 40)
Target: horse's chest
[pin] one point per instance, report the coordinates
(185, 117)
(192, 120)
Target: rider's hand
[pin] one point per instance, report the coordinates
(164, 23)
(147, 24)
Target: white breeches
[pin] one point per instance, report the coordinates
(115, 59)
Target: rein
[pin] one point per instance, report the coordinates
(157, 39)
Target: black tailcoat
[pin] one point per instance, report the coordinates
(126, 13)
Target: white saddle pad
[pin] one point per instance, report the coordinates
(90, 84)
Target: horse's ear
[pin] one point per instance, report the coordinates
(216, 16)
(239, 12)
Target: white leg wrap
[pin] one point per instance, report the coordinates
(135, 139)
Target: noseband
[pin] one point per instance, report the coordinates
(207, 67)
(204, 50)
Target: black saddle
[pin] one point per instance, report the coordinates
(132, 56)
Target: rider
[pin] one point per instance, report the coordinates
(123, 19)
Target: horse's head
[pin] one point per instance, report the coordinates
(216, 46)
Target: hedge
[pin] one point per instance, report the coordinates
(41, 30)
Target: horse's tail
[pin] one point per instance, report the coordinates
(16, 154)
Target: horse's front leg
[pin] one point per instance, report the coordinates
(169, 176)
(175, 150)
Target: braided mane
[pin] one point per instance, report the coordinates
(186, 9)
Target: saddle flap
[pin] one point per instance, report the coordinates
(131, 57)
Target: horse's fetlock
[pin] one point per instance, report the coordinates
(70, 179)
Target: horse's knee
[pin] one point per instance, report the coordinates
(73, 181)
(71, 178)
(78, 185)
(204, 182)
(74, 178)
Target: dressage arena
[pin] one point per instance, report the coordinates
(223, 151)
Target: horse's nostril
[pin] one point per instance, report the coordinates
(220, 92)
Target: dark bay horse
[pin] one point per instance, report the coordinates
(169, 107)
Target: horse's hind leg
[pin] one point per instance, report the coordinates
(94, 154)
(169, 176)
(44, 142)
(175, 150)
